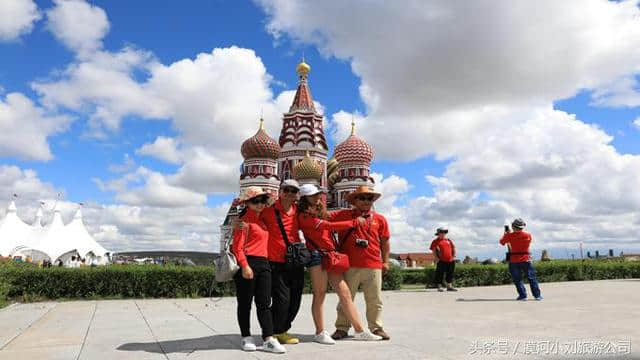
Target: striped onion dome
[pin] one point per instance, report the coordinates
(260, 145)
(332, 171)
(354, 150)
(307, 169)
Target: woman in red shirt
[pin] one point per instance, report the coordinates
(253, 282)
(316, 230)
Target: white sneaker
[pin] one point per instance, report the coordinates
(366, 335)
(324, 338)
(248, 344)
(273, 345)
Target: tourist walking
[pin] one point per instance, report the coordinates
(312, 219)
(368, 249)
(445, 251)
(287, 282)
(518, 243)
(253, 281)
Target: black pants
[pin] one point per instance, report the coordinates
(286, 292)
(445, 268)
(258, 289)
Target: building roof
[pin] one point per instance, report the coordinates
(354, 150)
(260, 145)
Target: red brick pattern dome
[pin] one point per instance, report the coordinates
(354, 150)
(260, 145)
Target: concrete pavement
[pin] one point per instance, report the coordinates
(576, 320)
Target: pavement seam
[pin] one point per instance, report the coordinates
(151, 330)
(86, 334)
(28, 327)
(207, 326)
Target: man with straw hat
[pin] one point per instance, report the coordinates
(367, 246)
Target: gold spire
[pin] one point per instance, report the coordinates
(261, 123)
(353, 126)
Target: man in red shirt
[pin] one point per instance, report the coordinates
(445, 251)
(367, 246)
(286, 284)
(518, 243)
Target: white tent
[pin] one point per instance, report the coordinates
(53, 239)
(80, 240)
(13, 231)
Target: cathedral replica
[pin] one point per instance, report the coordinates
(301, 153)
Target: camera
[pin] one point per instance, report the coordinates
(506, 229)
(363, 243)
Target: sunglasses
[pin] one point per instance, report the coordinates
(364, 198)
(443, 232)
(259, 200)
(291, 190)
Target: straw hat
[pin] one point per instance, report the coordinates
(362, 190)
(252, 192)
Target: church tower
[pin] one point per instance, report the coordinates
(302, 136)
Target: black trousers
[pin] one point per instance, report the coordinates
(445, 268)
(286, 293)
(258, 289)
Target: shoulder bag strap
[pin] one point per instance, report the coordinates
(281, 226)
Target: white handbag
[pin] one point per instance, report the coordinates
(226, 264)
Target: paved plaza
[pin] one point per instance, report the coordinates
(576, 320)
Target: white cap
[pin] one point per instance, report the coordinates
(290, 182)
(308, 190)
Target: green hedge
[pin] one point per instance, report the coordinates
(26, 282)
(552, 271)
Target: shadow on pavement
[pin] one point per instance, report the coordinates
(470, 300)
(224, 341)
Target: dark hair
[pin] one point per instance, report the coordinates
(303, 205)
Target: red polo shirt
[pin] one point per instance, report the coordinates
(375, 228)
(277, 246)
(318, 231)
(250, 240)
(445, 247)
(519, 241)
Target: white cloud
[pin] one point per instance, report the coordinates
(620, 92)
(25, 128)
(163, 148)
(144, 187)
(636, 123)
(18, 18)
(445, 62)
(78, 25)
(214, 102)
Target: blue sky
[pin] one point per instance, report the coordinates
(450, 120)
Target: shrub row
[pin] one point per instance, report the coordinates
(25, 282)
(553, 271)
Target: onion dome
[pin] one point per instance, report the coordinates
(332, 171)
(307, 169)
(303, 68)
(354, 150)
(260, 145)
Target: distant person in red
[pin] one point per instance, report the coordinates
(445, 251)
(368, 249)
(518, 243)
(253, 281)
(312, 219)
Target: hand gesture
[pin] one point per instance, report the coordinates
(247, 272)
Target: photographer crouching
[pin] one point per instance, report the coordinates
(519, 258)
